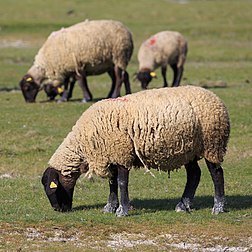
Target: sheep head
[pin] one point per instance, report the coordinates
(29, 88)
(59, 189)
(52, 91)
(145, 77)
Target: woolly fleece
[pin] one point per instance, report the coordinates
(166, 47)
(163, 128)
(93, 46)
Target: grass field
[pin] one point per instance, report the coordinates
(220, 50)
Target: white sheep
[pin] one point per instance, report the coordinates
(158, 128)
(84, 49)
(162, 49)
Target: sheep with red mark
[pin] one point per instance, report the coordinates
(161, 129)
(162, 49)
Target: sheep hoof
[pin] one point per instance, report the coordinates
(62, 100)
(85, 100)
(120, 212)
(180, 207)
(109, 208)
(217, 211)
(218, 205)
(183, 206)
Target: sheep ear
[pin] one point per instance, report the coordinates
(50, 180)
(153, 74)
(53, 185)
(60, 90)
(28, 78)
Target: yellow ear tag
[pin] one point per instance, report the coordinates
(153, 74)
(29, 79)
(60, 90)
(53, 185)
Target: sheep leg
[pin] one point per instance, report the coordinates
(217, 175)
(123, 180)
(193, 177)
(111, 73)
(178, 72)
(118, 83)
(70, 93)
(87, 96)
(113, 202)
(163, 72)
(126, 82)
(65, 93)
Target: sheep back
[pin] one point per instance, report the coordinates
(93, 46)
(162, 128)
(166, 47)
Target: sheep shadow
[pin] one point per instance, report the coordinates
(233, 203)
(88, 207)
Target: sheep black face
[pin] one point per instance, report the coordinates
(145, 78)
(51, 91)
(29, 88)
(60, 197)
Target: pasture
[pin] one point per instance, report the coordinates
(219, 58)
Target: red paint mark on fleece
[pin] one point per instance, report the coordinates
(122, 99)
(152, 41)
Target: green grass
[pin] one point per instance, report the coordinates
(220, 49)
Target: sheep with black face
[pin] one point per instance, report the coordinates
(162, 49)
(84, 49)
(160, 129)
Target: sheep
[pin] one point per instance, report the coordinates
(84, 49)
(161, 129)
(162, 49)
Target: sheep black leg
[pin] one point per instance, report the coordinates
(119, 80)
(70, 93)
(163, 72)
(65, 93)
(123, 180)
(217, 175)
(111, 74)
(113, 202)
(126, 82)
(87, 96)
(193, 173)
(178, 72)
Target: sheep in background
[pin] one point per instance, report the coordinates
(84, 49)
(162, 49)
(159, 128)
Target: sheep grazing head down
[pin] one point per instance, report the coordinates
(145, 77)
(29, 88)
(59, 188)
(58, 191)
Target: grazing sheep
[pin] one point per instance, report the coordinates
(159, 128)
(162, 49)
(87, 48)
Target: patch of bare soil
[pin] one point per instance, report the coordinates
(23, 239)
(173, 242)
